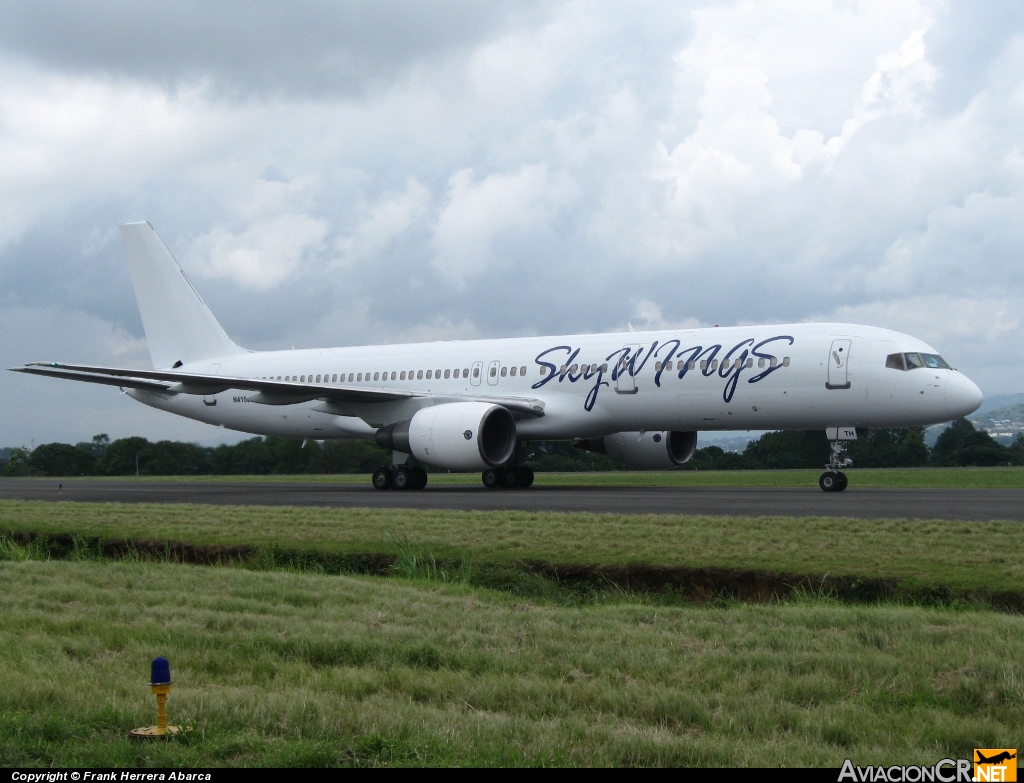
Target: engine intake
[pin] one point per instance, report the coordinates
(455, 436)
(658, 450)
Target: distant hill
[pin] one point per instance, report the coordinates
(1004, 424)
(997, 401)
(1001, 416)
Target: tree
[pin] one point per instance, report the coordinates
(962, 445)
(1017, 450)
(122, 456)
(63, 459)
(17, 464)
(714, 458)
(913, 451)
(788, 449)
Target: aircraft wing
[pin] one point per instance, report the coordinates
(266, 391)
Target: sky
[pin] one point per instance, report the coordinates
(339, 174)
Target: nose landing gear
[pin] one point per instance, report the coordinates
(833, 479)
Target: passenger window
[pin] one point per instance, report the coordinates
(318, 379)
(543, 371)
(562, 369)
(703, 364)
(419, 375)
(714, 364)
(760, 362)
(513, 371)
(773, 362)
(430, 374)
(785, 362)
(376, 376)
(657, 366)
(504, 371)
(402, 376)
(394, 375)
(476, 372)
(447, 373)
(465, 372)
(494, 372)
(437, 375)
(573, 369)
(522, 370)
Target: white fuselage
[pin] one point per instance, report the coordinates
(797, 376)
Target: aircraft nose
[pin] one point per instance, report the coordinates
(962, 396)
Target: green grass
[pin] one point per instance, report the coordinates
(275, 668)
(918, 554)
(923, 478)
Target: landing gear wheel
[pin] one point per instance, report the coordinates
(843, 481)
(509, 477)
(525, 476)
(401, 478)
(829, 482)
(419, 478)
(490, 478)
(382, 478)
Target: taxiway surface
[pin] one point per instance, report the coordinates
(860, 502)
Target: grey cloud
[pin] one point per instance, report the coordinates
(308, 47)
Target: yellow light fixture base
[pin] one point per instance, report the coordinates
(154, 732)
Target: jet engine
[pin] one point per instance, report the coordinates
(462, 436)
(645, 449)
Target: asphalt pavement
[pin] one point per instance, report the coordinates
(860, 502)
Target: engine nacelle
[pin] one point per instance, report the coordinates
(658, 450)
(455, 436)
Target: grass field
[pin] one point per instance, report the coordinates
(280, 661)
(917, 554)
(277, 668)
(924, 478)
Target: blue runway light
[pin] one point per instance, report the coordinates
(160, 674)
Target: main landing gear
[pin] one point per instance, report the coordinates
(508, 477)
(833, 479)
(399, 477)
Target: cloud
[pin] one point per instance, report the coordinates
(376, 172)
(263, 255)
(307, 47)
(479, 215)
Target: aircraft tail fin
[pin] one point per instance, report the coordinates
(179, 326)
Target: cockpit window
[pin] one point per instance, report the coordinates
(934, 361)
(912, 361)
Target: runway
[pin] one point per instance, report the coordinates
(865, 503)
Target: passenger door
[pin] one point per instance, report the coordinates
(838, 365)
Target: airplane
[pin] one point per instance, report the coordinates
(640, 397)
(996, 759)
